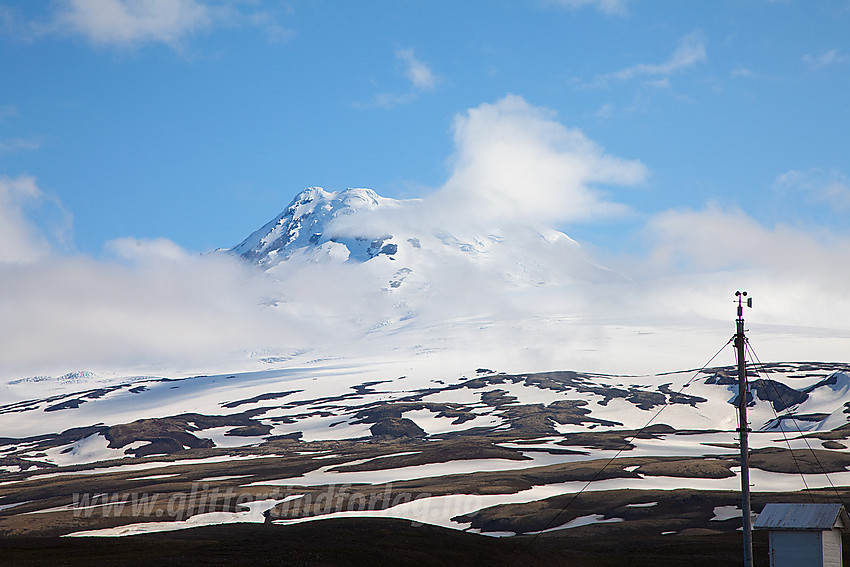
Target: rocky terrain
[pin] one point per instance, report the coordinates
(491, 453)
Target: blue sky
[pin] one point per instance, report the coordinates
(200, 124)
(694, 147)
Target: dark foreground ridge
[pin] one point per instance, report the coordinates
(379, 542)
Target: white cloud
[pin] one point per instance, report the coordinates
(800, 278)
(20, 241)
(7, 22)
(387, 100)
(18, 144)
(690, 52)
(421, 78)
(660, 84)
(15, 144)
(419, 74)
(8, 111)
(33, 222)
(515, 167)
(714, 239)
(614, 7)
(131, 23)
(187, 312)
(516, 161)
(605, 111)
(146, 251)
(831, 57)
(155, 303)
(829, 187)
(265, 20)
(127, 22)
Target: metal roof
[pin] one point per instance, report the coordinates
(802, 517)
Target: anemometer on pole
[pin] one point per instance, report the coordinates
(740, 342)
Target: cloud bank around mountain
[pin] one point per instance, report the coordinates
(153, 305)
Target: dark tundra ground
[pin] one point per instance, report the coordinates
(381, 542)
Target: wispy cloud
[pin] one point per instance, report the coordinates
(826, 59)
(829, 187)
(133, 23)
(9, 145)
(605, 111)
(421, 79)
(264, 20)
(662, 83)
(387, 100)
(420, 75)
(8, 111)
(690, 52)
(7, 20)
(742, 72)
(18, 144)
(612, 7)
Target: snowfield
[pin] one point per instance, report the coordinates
(421, 449)
(462, 378)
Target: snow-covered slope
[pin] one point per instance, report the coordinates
(274, 437)
(303, 228)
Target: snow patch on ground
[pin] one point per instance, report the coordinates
(90, 449)
(254, 514)
(152, 465)
(723, 513)
(219, 436)
(324, 475)
(432, 424)
(581, 521)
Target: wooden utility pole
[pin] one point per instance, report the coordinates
(743, 430)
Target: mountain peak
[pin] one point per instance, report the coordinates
(303, 224)
(319, 226)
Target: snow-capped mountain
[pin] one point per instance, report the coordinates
(305, 227)
(394, 276)
(358, 226)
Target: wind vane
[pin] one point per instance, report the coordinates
(743, 429)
